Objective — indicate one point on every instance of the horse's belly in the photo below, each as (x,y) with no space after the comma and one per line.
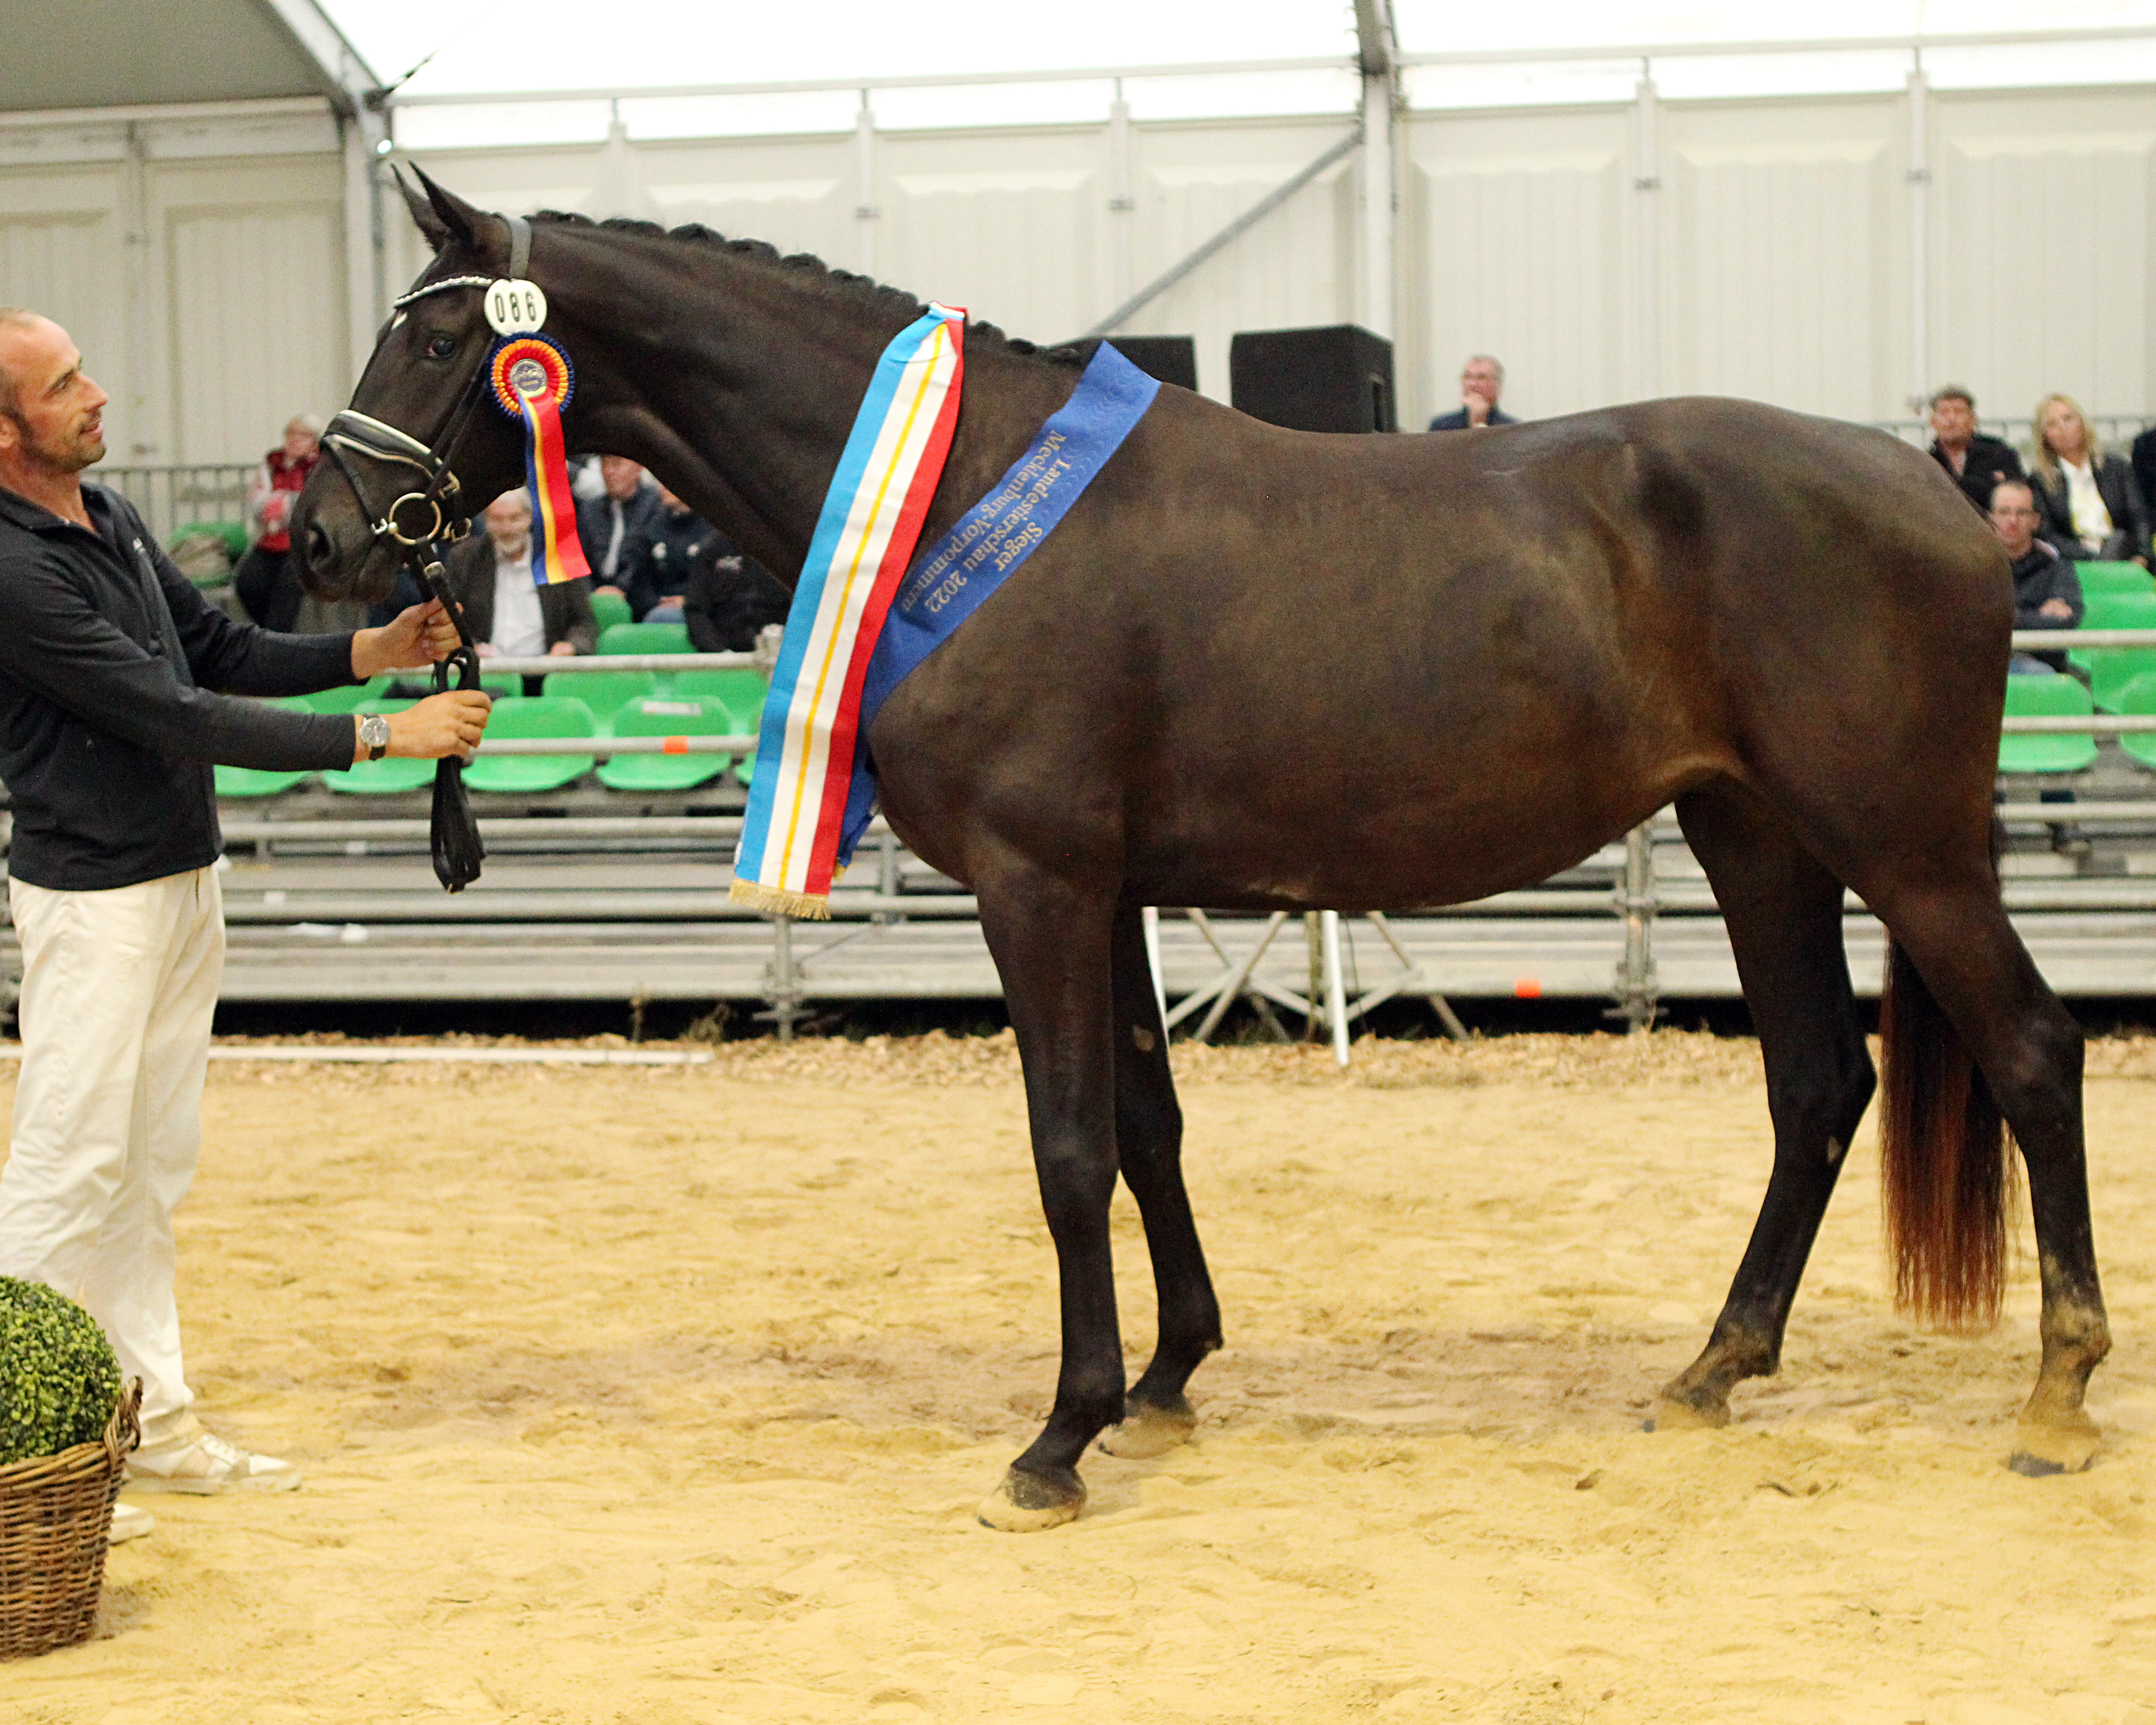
(1351,852)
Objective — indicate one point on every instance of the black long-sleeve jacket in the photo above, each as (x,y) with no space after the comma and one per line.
(108,728)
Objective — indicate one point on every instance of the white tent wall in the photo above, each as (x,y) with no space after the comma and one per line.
(198,259)
(1770,247)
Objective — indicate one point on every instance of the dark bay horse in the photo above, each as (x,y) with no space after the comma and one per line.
(1276,671)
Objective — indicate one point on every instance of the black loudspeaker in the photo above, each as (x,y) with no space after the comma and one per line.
(1335,379)
(1173,359)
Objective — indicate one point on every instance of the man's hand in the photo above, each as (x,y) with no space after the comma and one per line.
(561,649)
(450,724)
(1477,406)
(420,636)
(2058,608)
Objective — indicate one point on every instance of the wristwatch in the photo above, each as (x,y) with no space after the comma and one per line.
(374,734)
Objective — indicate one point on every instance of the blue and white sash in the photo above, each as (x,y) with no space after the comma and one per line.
(951,580)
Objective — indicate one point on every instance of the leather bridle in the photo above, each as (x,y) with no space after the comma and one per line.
(419,536)
(438,495)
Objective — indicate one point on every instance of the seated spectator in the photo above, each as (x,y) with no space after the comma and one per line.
(491,573)
(730,599)
(1976,462)
(617,528)
(2047,593)
(264,582)
(677,541)
(2144,464)
(1481,382)
(2092,507)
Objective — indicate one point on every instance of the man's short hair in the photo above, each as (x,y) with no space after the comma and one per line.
(1490,360)
(515,493)
(10,402)
(1953,391)
(2013,485)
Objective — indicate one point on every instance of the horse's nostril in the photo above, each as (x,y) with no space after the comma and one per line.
(321,551)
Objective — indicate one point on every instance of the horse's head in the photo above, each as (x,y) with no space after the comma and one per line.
(419,450)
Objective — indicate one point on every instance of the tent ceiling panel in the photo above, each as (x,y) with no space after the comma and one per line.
(111,53)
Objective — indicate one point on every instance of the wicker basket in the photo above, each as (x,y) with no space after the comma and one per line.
(55,1520)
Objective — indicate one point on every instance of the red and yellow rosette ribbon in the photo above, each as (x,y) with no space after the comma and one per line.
(532,381)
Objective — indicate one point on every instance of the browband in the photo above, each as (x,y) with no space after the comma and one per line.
(520,260)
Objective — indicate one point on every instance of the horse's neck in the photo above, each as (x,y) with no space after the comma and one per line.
(740,396)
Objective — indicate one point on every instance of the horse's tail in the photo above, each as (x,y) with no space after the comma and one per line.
(1943,1160)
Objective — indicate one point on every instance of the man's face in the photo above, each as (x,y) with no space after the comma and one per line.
(1954,422)
(58,423)
(622,476)
(1478,377)
(300,443)
(2013,518)
(509,524)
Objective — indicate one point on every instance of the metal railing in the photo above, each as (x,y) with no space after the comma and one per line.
(169,498)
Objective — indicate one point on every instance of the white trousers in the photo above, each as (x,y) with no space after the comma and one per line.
(118,990)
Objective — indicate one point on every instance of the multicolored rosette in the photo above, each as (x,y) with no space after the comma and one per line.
(532,381)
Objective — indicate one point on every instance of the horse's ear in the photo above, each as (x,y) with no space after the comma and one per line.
(459,221)
(423,212)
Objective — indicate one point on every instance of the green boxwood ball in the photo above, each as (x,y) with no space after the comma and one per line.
(59,1380)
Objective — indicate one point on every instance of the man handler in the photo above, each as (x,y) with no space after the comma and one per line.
(108,733)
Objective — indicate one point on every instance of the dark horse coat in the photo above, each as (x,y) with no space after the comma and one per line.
(1273,669)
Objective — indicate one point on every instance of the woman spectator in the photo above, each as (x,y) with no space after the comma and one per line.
(266,583)
(2092,504)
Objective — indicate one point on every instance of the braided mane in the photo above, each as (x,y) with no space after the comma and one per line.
(843,283)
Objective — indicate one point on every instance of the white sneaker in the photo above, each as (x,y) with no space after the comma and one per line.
(203,1464)
(129,1523)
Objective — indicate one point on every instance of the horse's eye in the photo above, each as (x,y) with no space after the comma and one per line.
(441,346)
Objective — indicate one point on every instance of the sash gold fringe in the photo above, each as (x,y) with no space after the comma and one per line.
(780,901)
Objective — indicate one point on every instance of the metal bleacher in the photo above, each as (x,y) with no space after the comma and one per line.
(593,894)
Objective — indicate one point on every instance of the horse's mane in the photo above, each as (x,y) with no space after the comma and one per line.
(837,283)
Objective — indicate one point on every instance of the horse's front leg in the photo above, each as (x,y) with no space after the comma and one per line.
(1050,938)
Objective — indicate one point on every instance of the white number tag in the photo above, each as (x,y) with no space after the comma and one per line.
(516,308)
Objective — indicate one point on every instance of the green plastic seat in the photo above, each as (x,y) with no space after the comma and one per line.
(609,608)
(537,716)
(2057,752)
(233,536)
(742,692)
(392,776)
(2111,669)
(2107,578)
(667,716)
(346,698)
(2119,610)
(645,638)
(2138,698)
(604,692)
(2111,610)
(261,782)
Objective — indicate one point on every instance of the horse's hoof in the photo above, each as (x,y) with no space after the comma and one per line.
(2042,1448)
(1032,1503)
(1668,1413)
(1150,1429)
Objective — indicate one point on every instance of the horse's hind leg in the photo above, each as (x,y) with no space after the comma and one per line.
(1965,953)
(1783,913)
(1050,937)
(1149,1147)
